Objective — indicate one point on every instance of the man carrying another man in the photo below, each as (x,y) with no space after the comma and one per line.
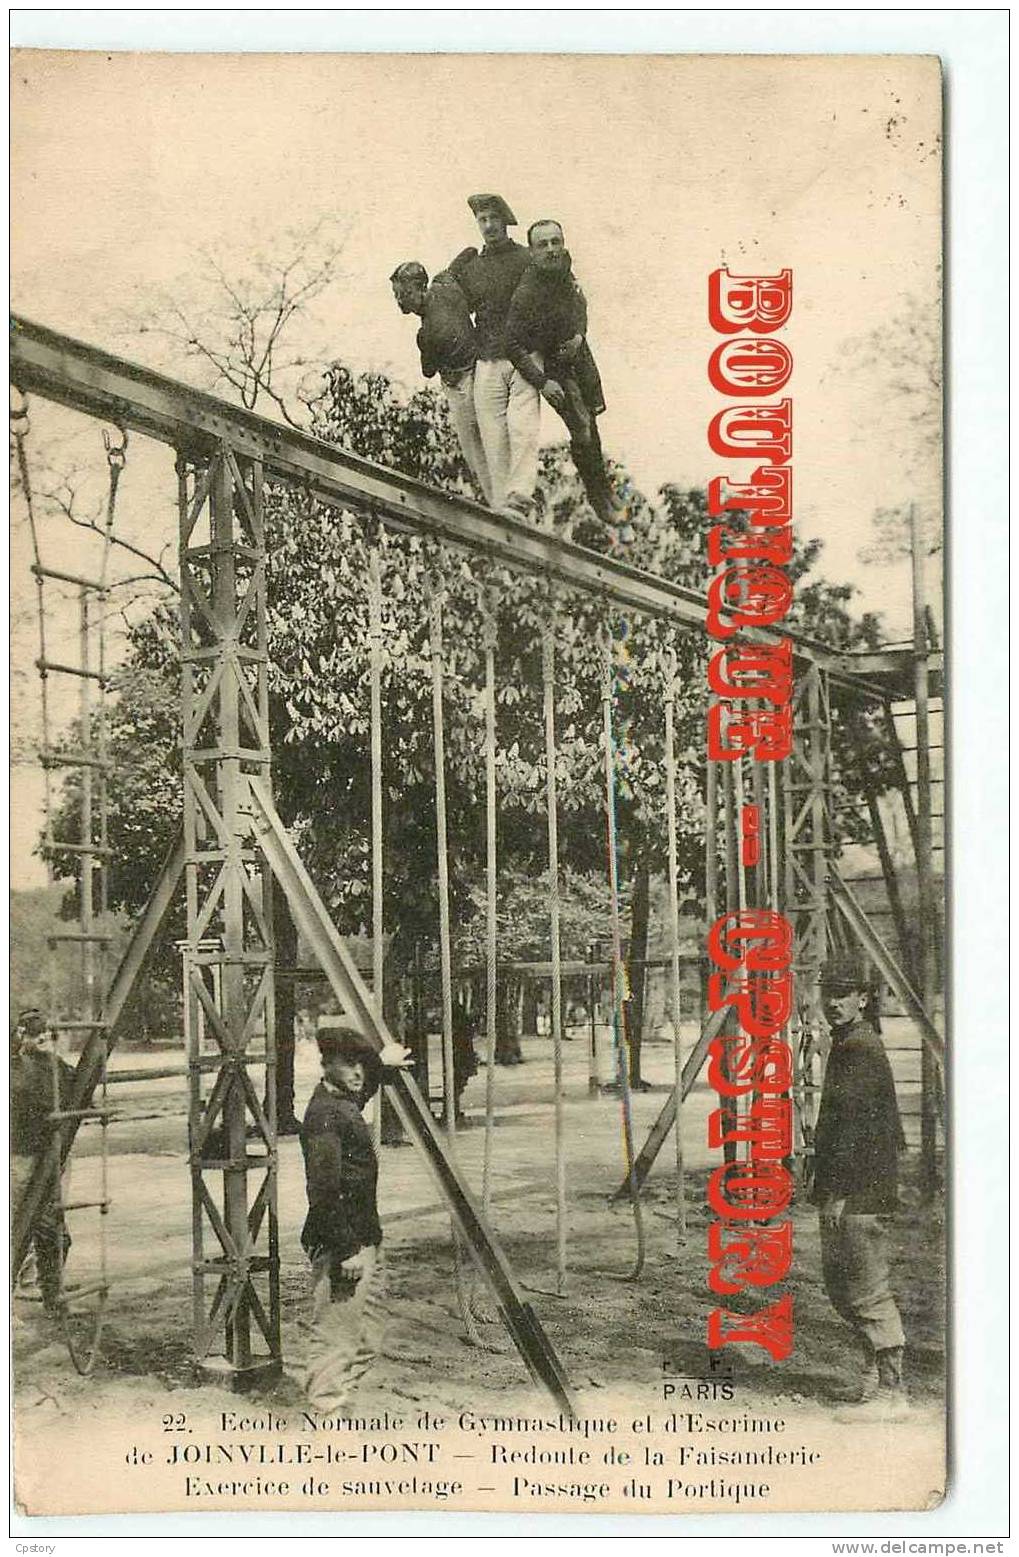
(546,338)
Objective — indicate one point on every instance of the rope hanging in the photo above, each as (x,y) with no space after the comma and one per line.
(551,798)
(435,645)
(677,1041)
(489,637)
(618,968)
(378,943)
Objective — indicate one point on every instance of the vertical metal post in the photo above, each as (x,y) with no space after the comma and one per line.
(924,871)
(229,933)
(489,634)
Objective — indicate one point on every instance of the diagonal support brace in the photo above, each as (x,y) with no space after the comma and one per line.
(359,1009)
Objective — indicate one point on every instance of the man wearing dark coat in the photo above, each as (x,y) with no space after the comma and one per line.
(342,1235)
(447,342)
(856,1149)
(40,1081)
(546,338)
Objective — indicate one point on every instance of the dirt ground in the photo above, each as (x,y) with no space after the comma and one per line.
(614,1336)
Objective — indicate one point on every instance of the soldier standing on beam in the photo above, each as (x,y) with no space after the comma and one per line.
(507,405)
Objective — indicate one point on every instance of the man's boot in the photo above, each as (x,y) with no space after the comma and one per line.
(864,1386)
(890,1402)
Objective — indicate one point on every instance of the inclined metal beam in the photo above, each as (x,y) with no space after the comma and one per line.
(659,1132)
(93,381)
(89,1069)
(360,1011)
(885,963)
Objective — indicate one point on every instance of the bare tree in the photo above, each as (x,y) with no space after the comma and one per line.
(237,321)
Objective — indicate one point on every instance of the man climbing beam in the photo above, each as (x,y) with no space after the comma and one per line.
(546,338)
(507,404)
(447,342)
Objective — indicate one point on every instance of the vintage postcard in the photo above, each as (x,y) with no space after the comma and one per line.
(477,995)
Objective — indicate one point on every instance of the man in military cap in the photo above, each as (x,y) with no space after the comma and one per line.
(448,345)
(342,1235)
(507,405)
(546,338)
(856,1149)
(40,1082)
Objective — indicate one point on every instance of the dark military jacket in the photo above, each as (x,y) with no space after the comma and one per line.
(489,280)
(341,1171)
(32,1099)
(859,1131)
(446,340)
(547,310)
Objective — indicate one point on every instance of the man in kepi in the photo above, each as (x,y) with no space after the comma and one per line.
(546,337)
(448,346)
(342,1235)
(507,404)
(40,1082)
(856,1146)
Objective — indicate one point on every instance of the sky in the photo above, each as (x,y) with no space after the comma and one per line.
(660,169)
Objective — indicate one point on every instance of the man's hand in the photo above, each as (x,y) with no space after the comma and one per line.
(830,1212)
(569,348)
(554,393)
(393,1056)
(353,1268)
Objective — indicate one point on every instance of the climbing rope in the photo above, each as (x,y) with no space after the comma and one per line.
(548,693)
(378,943)
(435,644)
(92,758)
(677,1038)
(618,968)
(489,637)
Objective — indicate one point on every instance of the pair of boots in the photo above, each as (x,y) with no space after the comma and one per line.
(881,1396)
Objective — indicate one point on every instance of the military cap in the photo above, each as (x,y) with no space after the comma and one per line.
(496,203)
(846,972)
(335,1036)
(410,270)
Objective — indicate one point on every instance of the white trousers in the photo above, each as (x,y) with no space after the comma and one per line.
(344,1334)
(460,399)
(508,415)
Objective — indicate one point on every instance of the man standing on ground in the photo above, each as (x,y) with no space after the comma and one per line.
(507,405)
(856,1147)
(40,1082)
(448,345)
(342,1235)
(546,337)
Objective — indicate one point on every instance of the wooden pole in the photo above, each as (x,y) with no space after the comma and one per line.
(924,861)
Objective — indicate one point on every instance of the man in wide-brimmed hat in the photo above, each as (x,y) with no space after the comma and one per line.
(856,1148)
(342,1235)
(507,405)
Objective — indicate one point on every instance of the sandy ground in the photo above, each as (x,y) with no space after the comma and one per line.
(619,1341)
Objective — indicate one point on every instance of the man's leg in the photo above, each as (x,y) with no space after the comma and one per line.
(875,1314)
(462,410)
(344,1334)
(491,400)
(522,416)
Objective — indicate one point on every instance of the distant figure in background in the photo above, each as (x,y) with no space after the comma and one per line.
(507,404)
(856,1148)
(40,1081)
(342,1235)
(546,338)
(448,345)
